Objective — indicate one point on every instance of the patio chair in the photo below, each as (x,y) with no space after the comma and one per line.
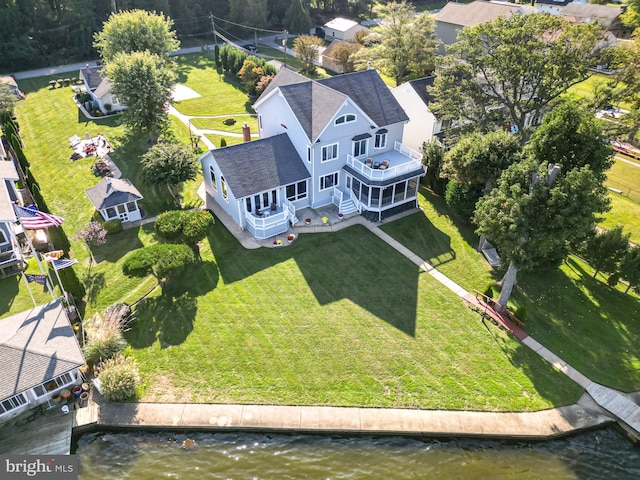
(73,141)
(273,207)
(384,165)
(368,162)
(258,213)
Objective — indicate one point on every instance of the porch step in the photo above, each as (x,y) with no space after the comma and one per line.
(347,206)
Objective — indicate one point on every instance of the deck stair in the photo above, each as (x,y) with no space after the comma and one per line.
(347,206)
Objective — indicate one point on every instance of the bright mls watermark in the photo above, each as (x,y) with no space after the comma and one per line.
(50,467)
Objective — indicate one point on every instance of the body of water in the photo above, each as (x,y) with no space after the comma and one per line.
(601,454)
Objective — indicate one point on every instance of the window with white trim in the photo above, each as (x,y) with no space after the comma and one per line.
(111,212)
(297,191)
(114,99)
(214,184)
(360,148)
(348,118)
(329,181)
(329,152)
(12,403)
(132,207)
(3,237)
(380,140)
(260,121)
(223,185)
(308,154)
(53,384)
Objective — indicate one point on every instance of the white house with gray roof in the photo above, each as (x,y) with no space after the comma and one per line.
(11,258)
(116,199)
(40,356)
(100,89)
(335,140)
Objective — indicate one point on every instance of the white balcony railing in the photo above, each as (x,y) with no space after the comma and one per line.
(405,161)
(272,223)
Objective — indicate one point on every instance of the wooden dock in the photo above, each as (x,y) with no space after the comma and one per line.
(49,434)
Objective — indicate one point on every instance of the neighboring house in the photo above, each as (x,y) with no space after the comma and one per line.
(335,140)
(116,198)
(453,17)
(11,258)
(99,87)
(551,6)
(13,85)
(40,356)
(588,13)
(343,29)
(423,124)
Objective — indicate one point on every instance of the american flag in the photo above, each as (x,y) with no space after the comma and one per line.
(32,219)
(63,263)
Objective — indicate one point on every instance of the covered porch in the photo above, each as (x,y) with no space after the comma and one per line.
(270,221)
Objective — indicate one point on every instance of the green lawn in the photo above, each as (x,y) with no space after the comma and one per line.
(334,319)
(217,123)
(625,212)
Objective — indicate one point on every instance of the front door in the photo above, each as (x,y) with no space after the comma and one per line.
(122,213)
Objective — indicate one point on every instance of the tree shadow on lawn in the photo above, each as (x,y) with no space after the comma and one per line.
(192,61)
(94,283)
(169,317)
(418,234)
(351,264)
(464,226)
(585,322)
(9,288)
(117,246)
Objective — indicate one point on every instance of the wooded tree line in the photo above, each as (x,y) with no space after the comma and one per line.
(36,33)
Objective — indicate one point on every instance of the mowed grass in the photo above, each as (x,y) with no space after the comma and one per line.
(217,123)
(587,323)
(625,212)
(333,319)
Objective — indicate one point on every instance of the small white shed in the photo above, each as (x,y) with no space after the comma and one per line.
(342,29)
(116,198)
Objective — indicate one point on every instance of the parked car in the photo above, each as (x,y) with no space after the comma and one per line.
(252,48)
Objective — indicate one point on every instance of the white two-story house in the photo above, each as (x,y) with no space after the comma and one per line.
(335,140)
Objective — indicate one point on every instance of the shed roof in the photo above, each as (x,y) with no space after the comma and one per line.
(35,346)
(92,76)
(261,165)
(110,192)
(340,24)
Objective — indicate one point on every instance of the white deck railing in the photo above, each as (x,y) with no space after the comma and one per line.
(413,163)
(272,223)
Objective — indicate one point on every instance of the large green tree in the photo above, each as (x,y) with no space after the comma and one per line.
(604,250)
(627,83)
(571,137)
(144,84)
(170,164)
(533,218)
(160,260)
(631,16)
(404,46)
(7,100)
(306,48)
(136,31)
(511,69)
(630,268)
(481,159)
(297,19)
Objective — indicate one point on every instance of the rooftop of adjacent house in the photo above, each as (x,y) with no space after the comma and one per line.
(340,24)
(110,192)
(467,15)
(35,346)
(92,76)
(420,86)
(261,165)
(8,173)
(558,3)
(589,10)
(104,87)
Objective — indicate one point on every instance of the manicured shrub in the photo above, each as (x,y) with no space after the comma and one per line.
(229,121)
(169,225)
(113,226)
(119,377)
(223,143)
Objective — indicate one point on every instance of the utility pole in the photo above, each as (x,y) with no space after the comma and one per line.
(113,4)
(284,44)
(255,37)
(213,26)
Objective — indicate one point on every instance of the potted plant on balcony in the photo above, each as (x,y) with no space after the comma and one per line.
(307,221)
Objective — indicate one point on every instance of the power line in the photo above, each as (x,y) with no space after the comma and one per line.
(247,26)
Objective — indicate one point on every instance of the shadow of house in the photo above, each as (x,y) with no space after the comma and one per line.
(352,264)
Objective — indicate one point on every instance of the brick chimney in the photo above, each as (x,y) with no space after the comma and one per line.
(246,133)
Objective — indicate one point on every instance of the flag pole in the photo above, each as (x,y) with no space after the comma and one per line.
(29,289)
(35,254)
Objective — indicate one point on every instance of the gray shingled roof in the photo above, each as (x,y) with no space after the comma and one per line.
(420,86)
(370,93)
(285,76)
(110,192)
(35,346)
(261,165)
(92,76)
(588,10)
(313,104)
